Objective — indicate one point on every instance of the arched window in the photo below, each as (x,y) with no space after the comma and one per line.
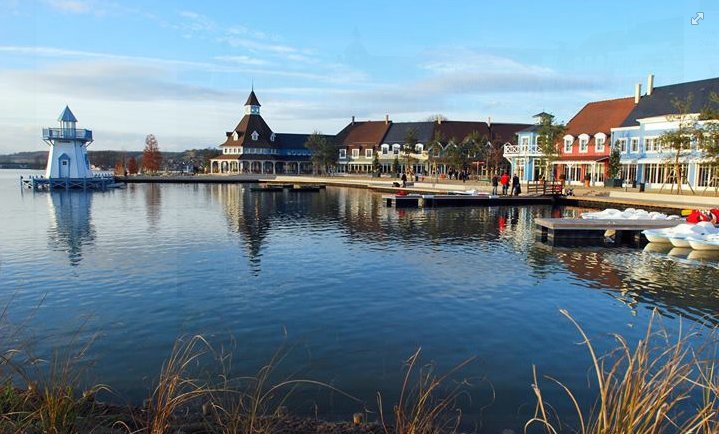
(255,135)
(395,149)
(385,149)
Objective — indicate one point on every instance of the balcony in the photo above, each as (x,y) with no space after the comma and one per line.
(66,134)
(511,150)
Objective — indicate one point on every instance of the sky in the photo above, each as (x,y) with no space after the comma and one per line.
(182,70)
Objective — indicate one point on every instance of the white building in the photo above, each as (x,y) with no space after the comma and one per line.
(68,149)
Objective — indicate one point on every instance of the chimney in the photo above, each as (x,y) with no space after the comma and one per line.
(637,93)
(489,121)
(353,120)
(386,119)
(650,84)
(439,120)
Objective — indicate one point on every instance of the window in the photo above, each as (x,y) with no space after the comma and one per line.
(418,148)
(343,153)
(395,149)
(599,144)
(437,150)
(235,136)
(583,145)
(368,153)
(255,135)
(355,153)
(525,141)
(635,144)
(385,149)
(622,145)
(567,145)
(272,137)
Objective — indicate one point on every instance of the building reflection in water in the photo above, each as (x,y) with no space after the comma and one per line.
(360,217)
(653,276)
(71,227)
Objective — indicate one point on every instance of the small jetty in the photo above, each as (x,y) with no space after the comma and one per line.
(268,189)
(570,231)
(279,187)
(97,182)
(447,200)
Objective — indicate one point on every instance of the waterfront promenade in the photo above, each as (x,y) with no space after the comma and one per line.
(595,197)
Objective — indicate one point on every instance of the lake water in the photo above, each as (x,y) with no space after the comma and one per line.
(349,287)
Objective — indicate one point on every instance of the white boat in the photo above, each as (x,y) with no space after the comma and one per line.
(680,241)
(658,236)
(710,242)
(627,214)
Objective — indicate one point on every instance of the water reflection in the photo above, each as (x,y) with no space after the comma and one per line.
(153,204)
(672,280)
(71,227)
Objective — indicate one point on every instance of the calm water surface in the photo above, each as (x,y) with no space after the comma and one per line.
(350,287)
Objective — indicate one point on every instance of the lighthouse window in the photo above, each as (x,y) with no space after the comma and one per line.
(64,162)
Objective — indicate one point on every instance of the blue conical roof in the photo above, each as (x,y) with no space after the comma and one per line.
(67,116)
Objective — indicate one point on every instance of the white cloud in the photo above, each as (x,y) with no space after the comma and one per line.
(75,6)
(242,60)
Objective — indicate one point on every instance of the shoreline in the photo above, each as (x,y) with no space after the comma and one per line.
(590,198)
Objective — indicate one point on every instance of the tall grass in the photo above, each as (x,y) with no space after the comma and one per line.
(427,402)
(649,388)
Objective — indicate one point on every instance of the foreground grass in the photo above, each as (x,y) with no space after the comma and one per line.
(656,386)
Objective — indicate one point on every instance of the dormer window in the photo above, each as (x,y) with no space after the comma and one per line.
(235,136)
(568,145)
(418,148)
(255,135)
(583,143)
(272,137)
(343,153)
(599,141)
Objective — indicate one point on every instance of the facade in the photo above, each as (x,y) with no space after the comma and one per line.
(524,156)
(252,147)
(68,149)
(357,143)
(643,158)
(585,148)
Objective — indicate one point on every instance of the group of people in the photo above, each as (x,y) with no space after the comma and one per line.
(504,180)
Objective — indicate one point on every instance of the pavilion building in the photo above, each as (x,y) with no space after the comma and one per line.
(252,147)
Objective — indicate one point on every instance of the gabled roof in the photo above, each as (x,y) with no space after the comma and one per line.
(600,117)
(367,133)
(423,132)
(252,99)
(659,103)
(67,116)
(458,130)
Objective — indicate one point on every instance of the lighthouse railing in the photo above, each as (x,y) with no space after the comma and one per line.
(66,133)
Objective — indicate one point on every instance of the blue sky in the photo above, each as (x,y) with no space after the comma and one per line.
(182,70)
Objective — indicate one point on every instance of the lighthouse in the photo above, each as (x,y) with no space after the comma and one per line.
(68,149)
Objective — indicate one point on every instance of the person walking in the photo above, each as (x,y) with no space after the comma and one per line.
(516,189)
(495,184)
(504,180)
(404,180)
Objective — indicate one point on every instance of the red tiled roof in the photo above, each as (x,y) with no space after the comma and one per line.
(600,117)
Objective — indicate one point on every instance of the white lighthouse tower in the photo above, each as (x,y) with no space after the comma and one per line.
(68,149)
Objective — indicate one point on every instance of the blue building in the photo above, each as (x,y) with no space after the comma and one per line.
(643,158)
(525,157)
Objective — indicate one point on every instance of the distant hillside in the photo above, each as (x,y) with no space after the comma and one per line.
(106,160)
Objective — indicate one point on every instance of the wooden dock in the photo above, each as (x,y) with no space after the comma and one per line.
(583,231)
(40,183)
(449,200)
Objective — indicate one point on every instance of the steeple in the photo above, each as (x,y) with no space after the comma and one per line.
(252,106)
